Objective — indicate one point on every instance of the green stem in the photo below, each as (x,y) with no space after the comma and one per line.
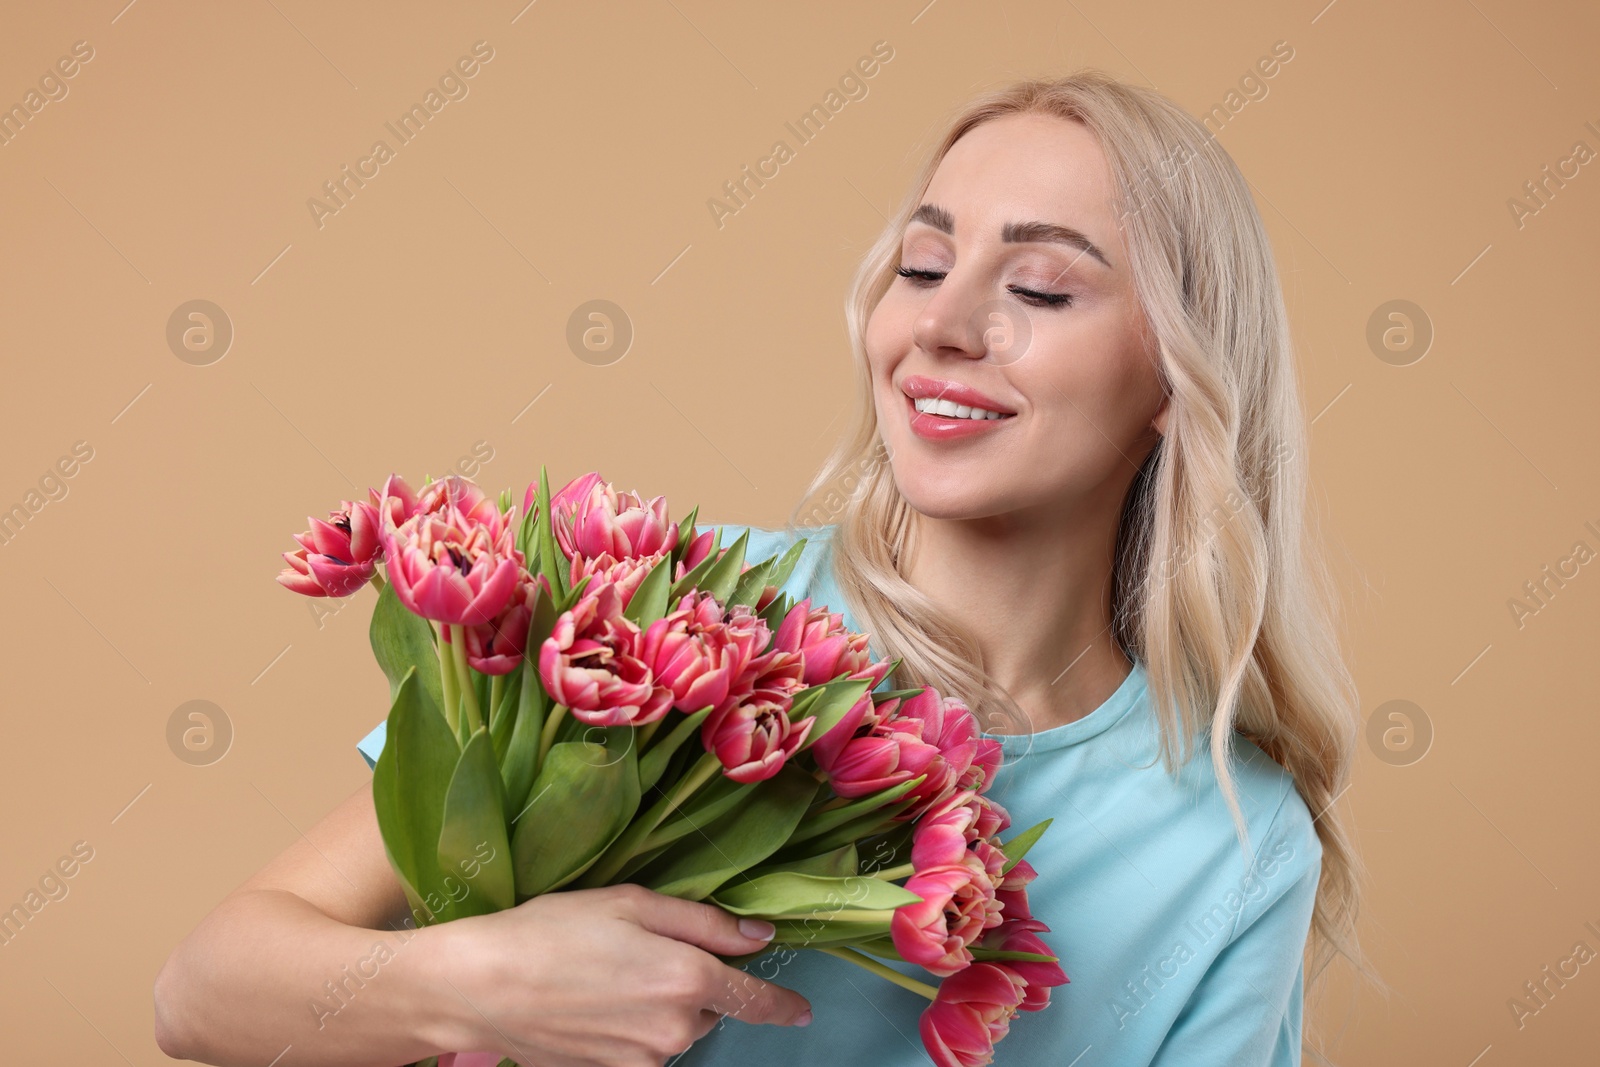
(883,970)
(447,679)
(889,874)
(645,731)
(377,582)
(531,703)
(469,696)
(548,737)
(497,688)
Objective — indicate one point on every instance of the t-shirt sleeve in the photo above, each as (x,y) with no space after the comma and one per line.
(372,744)
(762,545)
(1246,1009)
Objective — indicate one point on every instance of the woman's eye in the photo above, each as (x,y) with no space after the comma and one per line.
(1043,299)
(922,278)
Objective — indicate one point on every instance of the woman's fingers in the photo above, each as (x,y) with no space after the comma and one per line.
(752,1000)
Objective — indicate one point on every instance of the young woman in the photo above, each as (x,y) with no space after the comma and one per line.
(1074,497)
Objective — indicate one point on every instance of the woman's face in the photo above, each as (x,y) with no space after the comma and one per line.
(1018,300)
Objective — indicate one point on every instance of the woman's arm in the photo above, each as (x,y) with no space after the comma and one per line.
(1246,1010)
(312,953)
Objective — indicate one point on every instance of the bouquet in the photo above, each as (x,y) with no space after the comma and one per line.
(584,693)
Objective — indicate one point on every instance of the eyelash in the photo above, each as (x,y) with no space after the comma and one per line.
(924,277)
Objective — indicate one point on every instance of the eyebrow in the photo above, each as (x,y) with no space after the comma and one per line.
(1015,232)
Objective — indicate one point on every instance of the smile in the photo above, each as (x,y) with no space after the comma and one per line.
(935,419)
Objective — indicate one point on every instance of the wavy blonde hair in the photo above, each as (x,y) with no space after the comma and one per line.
(1235,621)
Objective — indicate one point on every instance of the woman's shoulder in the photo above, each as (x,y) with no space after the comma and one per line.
(1278,820)
(1192,824)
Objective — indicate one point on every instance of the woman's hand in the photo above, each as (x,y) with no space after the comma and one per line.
(620,976)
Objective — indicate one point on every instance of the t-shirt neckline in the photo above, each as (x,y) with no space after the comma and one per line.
(1108,714)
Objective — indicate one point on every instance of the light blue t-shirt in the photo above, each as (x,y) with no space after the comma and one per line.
(1179,953)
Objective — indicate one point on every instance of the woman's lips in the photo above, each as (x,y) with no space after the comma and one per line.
(932,427)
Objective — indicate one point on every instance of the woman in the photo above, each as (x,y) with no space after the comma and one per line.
(1074,498)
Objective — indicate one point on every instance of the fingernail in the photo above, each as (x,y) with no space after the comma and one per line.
(804,1020)
(759,929)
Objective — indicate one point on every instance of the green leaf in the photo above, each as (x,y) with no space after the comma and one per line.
(774,612)
(625,873)
(720,580)
(573,595)
(820,823)
(520,761)
(880,697)
(839,863)
(409,785)
(480,688)
(692,579)
(586,794)
(551,561)
(709,803)
(750,585)
(649,601)
(814,933)
(738,840)
(790,894)
(654,761)
(874,822)
(473,849)
(686,535)
(831,705)
(401,640)
(1018,846)
(504,715)
(782,569)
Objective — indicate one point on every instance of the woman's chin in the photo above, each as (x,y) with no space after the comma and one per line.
(940,499)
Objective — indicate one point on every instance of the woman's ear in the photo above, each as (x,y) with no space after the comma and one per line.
(1160,421)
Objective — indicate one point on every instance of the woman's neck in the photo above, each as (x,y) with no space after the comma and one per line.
(1036,595)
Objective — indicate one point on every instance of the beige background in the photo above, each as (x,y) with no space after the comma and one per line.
(431,310)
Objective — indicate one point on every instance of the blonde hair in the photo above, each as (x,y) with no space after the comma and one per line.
(1233,621)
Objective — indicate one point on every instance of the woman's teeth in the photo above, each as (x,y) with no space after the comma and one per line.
(950,408)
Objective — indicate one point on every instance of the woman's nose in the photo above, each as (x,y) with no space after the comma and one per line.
(967,320)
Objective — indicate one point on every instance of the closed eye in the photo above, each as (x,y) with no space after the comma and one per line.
(925,278)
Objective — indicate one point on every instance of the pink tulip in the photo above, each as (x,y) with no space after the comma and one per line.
(747,630)
(590,662)
(336,557)
(993,818)
(972,1013)
(754,740)
(626,574)
(1022,935)
(694,654)
(827,646)
(985,765)
(395,502)
(882,758)
(697,552)
(946,724)
(857,722)
(775,676)
(500,644)
(464,495)
(591,518)
(943,837)
(451,569)
(958,904)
